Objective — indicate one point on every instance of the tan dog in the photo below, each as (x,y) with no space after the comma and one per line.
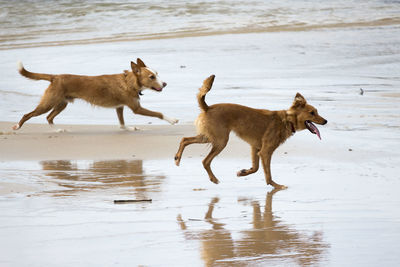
(110,91)
(263,129)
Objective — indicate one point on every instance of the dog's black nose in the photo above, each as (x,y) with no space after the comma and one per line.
(325,122)
(164,84)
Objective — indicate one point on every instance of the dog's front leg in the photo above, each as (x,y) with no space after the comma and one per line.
(120,114)
(145,112)
(266,154)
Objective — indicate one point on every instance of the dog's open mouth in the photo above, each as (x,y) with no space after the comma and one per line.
(312,128)
(157,89)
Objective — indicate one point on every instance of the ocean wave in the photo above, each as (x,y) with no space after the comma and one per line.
(25,41)
(42,23)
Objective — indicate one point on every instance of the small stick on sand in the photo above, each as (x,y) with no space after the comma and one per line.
(123,201)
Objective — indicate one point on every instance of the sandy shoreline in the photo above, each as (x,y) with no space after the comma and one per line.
(99,142)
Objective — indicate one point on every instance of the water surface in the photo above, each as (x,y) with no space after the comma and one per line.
(318,221)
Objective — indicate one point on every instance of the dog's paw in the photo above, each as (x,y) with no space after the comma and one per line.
(241,173)
(170,120)
(177,160)
(279,186)
(214,180)
(57,130)
(16,127)
(123,127)
(245,172)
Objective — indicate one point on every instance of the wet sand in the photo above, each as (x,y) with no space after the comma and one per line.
(57,192)
(98,142)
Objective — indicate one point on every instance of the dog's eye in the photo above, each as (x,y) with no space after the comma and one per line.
(312,113)
(152,77)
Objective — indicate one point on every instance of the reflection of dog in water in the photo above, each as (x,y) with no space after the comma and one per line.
(264,130)
(268,238)
(216,243)
(101,175)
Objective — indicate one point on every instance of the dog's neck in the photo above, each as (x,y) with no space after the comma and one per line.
(290,121)
(133,82)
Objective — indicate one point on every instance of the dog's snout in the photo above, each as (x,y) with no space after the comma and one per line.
(325,122)
(164,84)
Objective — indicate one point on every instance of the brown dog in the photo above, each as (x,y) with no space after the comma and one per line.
(263,129)
(110,91)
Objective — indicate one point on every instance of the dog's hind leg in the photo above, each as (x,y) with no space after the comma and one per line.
(199,139)
(56,110)
(255,159)
(45,105)
(215,150)
(38,111)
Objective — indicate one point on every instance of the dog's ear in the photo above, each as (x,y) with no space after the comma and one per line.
(140,63)
(299,101)
(135,68)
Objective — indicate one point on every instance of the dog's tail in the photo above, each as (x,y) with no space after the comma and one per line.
(32,75)
(207,84)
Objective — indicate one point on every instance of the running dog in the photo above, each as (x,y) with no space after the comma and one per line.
(110,91)
(263,129)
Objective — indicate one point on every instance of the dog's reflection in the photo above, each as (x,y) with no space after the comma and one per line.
(83,176)
(270,240)
(217,243)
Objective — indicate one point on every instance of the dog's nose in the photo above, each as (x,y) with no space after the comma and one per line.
(164,84)
(325,122)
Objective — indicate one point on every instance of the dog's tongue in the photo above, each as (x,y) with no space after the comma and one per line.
(313,129)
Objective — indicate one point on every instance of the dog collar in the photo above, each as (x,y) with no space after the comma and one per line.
(293,129)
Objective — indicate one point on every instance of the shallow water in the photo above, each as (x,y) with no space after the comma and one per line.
(328,216)
(40,23)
